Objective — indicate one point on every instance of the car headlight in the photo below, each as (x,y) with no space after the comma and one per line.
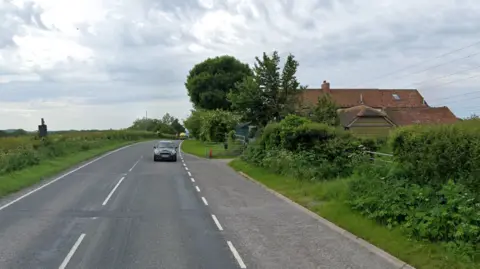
(156,151)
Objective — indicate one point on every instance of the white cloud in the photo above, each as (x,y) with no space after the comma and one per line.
(102,63)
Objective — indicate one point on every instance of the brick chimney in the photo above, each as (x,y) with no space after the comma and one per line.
(325,87)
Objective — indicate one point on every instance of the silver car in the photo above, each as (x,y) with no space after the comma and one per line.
(165,150)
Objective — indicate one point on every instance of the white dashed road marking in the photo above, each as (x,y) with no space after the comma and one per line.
(236,255)
(130,170)
(204,201)
(193,180)
(72,251)
(189,174)
(113,190)
(58,178)
(217,222)
(198,189)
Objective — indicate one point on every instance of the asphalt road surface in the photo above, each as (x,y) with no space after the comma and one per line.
(121,211)
(126,211)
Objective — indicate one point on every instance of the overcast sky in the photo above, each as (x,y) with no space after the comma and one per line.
(103,63)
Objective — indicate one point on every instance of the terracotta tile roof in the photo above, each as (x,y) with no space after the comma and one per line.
(349,114)
(421,115)
(376,98)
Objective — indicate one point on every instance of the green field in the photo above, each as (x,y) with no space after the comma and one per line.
(327,199)
(18,180)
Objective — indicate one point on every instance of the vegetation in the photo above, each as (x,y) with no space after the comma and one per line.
(166,126)
(270,94)
(26,160)
(209,81)
(202,149)
(427,198)
(329,199)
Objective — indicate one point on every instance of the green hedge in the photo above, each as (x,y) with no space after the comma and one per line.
(307,150)
(432,155)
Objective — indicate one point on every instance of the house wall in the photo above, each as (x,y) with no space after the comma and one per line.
(371,126)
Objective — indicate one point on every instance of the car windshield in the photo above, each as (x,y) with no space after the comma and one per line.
(165,145)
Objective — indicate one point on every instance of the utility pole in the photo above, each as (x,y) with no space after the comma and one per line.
(146,114)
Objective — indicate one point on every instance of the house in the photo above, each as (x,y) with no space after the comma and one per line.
(364,120)
(380,109)
(375,98)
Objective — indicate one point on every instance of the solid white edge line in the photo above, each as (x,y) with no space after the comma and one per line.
(111,192)
(72,251)
(204,201)
(217,222)
(198,189)
(189,174)
(236,255)
(193,180)
(58,178)
(130,170)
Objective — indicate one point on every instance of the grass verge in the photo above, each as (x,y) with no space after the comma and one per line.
(202,149)
(327,199)
(16,181)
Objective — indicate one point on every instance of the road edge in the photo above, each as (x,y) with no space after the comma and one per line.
(399,264)
(11,198)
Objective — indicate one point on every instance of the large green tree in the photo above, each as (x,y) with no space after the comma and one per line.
(271,93)
(209,81)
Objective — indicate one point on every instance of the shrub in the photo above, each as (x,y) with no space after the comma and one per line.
(215,124)
(307,150)
(450,214)
(434,154)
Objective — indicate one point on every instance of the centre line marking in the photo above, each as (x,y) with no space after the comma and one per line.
(113,190)
(184,164)
(130,170)
(217,223)
(186,168)
(72,251)
(193,180)
(204,201)
(189,174)
(236,255)
(198,189)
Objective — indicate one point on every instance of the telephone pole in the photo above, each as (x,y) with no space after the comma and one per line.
(146,114)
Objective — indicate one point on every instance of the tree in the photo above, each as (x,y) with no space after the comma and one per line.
(177,126)
(325,111)
(209,81)
(167,119)
(270,94)
(193,123)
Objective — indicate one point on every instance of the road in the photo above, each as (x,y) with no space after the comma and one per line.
(153,219)
(125,211)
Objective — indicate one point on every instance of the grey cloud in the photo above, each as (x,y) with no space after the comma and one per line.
(12,17)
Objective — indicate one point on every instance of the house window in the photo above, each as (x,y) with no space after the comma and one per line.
(395,96)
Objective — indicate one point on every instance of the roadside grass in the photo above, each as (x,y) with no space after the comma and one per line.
(13,182)
(328,199)
(202,149)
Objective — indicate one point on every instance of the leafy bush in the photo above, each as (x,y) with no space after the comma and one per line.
(17,153)
(450,214)
(298,147)
(215,124)
(432,155)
